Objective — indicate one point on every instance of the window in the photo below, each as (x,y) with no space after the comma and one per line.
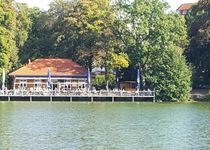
(23,84)
(81,84)
(37,84)
(133,85)
(61,81)
(67,84)
(184,12)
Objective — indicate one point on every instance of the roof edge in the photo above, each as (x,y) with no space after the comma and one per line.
(185,4)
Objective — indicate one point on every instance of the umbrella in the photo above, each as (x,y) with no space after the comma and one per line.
(3,78)
(89,79)
(117,80)
(138,80)
(49,83)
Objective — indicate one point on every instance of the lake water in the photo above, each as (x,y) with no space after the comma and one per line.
(144,126)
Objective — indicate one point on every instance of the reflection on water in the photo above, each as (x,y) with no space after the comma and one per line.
(104,126)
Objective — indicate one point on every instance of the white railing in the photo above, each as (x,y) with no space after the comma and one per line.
(84,93)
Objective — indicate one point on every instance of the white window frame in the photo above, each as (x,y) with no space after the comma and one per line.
(23,84)
(37,84)
(81,84)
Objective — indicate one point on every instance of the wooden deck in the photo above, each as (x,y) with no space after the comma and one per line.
(78,96)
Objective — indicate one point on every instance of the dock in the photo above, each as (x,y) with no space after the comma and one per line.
(78,96)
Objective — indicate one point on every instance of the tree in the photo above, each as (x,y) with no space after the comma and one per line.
(137,33)
(170,76)
(100,81)
(23,24)
(40,42)
(154,41)
(198,52)
(86,21)
(74,29)
(8,48)
(119,61)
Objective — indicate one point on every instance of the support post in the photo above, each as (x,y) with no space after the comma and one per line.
(112,99)
(91,99)
(71,99)
(154,96)
(9,98)
(133,99)
(50,98)
(30,98)
(14,84)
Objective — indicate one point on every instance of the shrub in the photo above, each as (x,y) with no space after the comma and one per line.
(99,82)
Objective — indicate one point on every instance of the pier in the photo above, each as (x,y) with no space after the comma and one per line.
(78,96)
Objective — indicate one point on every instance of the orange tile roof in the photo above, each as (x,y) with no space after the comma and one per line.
(186,6)
(58,67)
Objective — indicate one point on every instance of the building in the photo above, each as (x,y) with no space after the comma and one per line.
(184,8)
(64,74)
(98,71)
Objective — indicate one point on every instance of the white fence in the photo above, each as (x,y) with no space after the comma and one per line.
(101,93)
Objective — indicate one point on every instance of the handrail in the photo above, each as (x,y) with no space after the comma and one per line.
(95,93)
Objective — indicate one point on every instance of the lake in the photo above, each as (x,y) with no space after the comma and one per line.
(90,126)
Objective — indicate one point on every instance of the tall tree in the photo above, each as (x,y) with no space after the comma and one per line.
(154,41)
(198,52)
(23,24)
(23,27)
(40,39)
(81,28)
(8,48)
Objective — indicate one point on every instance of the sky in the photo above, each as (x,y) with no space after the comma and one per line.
(44,4)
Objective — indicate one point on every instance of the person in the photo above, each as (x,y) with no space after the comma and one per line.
(5,89)
(149,93)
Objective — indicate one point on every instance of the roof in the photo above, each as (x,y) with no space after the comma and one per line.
(98,69)
(58,67)
(186,6)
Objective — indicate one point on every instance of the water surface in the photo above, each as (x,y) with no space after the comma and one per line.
(64,126)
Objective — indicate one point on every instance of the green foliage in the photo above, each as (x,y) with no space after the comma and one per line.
(154,41)
(205,98)
(14,28)
(24,24)
(198,52)
(88,23)
(8,48)
(171,77)
(100,82)
(135,34)
(120,60)
(40,42)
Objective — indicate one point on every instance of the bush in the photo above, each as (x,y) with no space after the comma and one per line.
(205,98)
(171,77)
(99,82)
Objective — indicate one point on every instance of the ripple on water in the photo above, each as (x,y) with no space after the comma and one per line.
(104,126)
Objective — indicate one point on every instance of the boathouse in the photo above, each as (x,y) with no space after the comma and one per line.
(62,73)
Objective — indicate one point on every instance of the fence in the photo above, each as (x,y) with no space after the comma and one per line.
(101,93)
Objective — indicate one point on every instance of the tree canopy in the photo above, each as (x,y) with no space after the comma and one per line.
(116,35)
(8,48)
(198,51)
(154,41)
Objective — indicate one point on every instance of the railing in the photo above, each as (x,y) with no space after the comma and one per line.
(101,93)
